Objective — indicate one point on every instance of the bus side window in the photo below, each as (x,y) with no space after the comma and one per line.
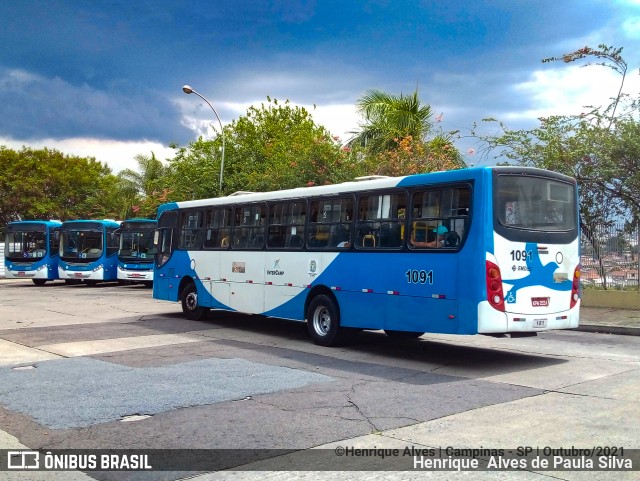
(381,220)
(439,218)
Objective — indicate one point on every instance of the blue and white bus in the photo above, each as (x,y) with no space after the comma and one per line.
(31,250)
(135,257)
(492,250)
(88,251)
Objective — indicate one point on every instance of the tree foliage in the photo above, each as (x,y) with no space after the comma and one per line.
(388,118)
(274,146)
(144,189)
(47,184)
(393,138)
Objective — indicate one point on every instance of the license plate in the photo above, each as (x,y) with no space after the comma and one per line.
(77,274)
(22,274)
(540,301)
(539,323)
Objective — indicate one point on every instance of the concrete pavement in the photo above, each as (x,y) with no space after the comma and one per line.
(560,389)
(610,321)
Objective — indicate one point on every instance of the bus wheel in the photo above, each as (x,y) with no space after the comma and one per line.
(190,308)
(72,282)
(323,322)
(91,283)
(403,335)
(39,282)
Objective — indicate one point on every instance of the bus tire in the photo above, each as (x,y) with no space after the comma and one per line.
(39,282)
(91,283)
(323,322)
(403,335)
(189,300)
(72,282)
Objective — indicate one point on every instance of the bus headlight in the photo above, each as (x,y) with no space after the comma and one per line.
(97,268)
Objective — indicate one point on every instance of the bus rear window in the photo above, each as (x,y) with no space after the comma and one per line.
(535,204)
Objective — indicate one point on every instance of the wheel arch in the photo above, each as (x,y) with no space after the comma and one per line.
(183,283)
(317,291)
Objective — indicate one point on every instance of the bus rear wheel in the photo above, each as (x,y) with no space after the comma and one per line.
(323,322)
(190,307)
(39,282)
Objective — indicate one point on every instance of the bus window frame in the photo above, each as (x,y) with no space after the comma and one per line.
(312,226)
(291,240)
(435,221)
(400,221)
(253,229)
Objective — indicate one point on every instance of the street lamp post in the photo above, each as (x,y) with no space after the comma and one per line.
(188,90)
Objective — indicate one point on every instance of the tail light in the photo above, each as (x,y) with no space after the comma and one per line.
(495,295)
(575,288)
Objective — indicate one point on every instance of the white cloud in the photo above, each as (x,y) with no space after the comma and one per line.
(116,154)
(567,90)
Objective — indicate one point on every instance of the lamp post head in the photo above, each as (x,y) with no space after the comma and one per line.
(187,89)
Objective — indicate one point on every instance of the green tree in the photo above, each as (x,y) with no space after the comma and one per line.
(389,118)
(143,189)
(393,138)
(47,184)
(274,146)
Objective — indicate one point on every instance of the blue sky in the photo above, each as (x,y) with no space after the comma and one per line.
(104,78)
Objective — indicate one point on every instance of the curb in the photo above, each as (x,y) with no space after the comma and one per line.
(619,330)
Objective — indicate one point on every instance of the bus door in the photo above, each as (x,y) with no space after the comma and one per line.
(165,285)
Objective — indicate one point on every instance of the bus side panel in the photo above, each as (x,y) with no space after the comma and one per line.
(471,276)
(111,267)
(395,290)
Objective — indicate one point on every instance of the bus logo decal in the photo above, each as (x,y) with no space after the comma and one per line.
(313,268)
(275,271)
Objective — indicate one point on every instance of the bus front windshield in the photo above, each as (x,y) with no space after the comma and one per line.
(137,245)
(81,245)
(535,204)
(25,245)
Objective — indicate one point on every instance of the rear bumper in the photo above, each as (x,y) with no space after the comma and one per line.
(492,321)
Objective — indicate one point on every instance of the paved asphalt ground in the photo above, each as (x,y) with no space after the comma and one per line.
(111,368)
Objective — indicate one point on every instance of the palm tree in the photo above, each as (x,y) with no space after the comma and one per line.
(388,119)
(146,182)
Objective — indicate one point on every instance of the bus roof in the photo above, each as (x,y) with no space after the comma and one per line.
(49,223)
(378,182)
(104,222)
(139,219)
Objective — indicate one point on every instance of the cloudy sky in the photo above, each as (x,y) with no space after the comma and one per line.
(103,78)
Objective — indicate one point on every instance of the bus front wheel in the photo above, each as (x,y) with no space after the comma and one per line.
(39,282)
(323,322)
(190,307)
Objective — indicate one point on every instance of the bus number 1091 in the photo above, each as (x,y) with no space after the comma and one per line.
(415,276)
